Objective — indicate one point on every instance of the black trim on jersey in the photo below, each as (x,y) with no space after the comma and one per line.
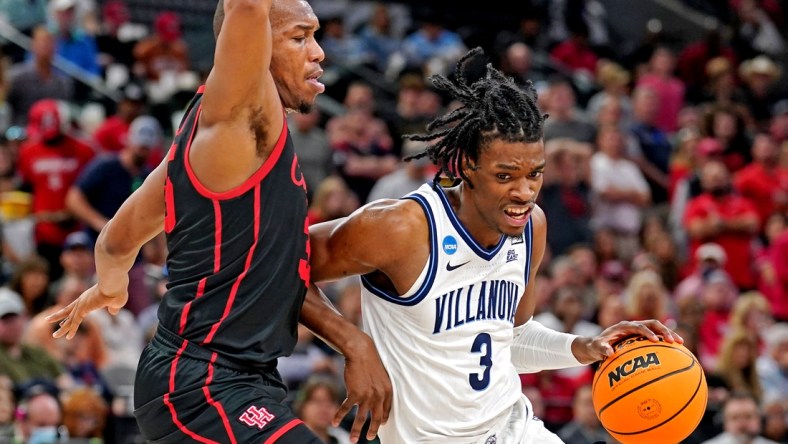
(478,249)
(431,272)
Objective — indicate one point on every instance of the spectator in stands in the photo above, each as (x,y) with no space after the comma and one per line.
(566,193)
(721,87)
(432,47)
(114,41)
(316,404)
(342,47)
(655,148)
(718,215)
(584,428)
(755,32)
(614,80)
(765,180)
(565,120)
(575,53)
(736,365)
(36,79)
(378,38)
(726,125)
(314,154)
(620,190)
(760,76)
(410,175)
(668,88)
(611,310)
(24,364)
(413,108)
(24,15)
(73,43)
(779,126)
(693,59)
(111,135)
(741,421)
(332,200)
(647,298)
(361,144)
(775,419)
(108,181)
(49,164)
(39,331)
(39,417)
(31,281)
(76,260)
(518,62)
(772,365)
(751,313)
(163,52)
(85,414)
(772,265)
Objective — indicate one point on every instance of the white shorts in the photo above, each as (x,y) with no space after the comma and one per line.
(520,427)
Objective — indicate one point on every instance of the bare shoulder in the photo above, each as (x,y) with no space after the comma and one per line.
(390,220)
(538,218)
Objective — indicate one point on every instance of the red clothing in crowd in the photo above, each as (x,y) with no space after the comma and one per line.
(737,246)
(671,99)
(575,56)
(762,187)
(773,275)
(51,170)
(111,135)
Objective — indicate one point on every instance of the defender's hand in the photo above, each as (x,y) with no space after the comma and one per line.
(588,350)
(71,316)
(368,386)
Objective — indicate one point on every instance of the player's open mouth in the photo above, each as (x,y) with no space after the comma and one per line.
(312,79)
(517,216)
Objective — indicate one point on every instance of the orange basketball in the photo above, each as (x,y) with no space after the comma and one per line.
(649,392)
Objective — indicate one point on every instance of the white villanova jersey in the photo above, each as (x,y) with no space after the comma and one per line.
(446,342)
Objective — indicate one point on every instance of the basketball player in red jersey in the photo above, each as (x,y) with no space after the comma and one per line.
(232,201)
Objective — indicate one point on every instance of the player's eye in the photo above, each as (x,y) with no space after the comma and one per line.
(536,174)
(502,176)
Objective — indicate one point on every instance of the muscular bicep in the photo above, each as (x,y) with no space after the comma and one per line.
(240,78)
(527,305)
(140,218)
(379,236)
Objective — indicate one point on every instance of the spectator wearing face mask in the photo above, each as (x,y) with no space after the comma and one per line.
(38,417)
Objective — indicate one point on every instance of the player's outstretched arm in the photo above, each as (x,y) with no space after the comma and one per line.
(367,382)
(137,221)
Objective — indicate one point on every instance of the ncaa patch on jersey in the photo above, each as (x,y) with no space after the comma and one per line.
(449,245)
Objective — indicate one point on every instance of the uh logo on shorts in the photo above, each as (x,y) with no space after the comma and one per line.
(256,417)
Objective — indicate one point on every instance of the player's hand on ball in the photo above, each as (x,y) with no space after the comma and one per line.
(368,386)
(589,350)
(70,317)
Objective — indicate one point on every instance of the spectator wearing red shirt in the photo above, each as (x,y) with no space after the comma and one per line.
(720,216)
(765,181)
(111,135)
(49,163)
(669,88)
(575,53)
(773,266)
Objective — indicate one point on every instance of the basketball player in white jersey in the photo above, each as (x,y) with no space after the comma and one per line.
(448,276)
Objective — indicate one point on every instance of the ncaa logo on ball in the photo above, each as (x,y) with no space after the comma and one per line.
(449,245)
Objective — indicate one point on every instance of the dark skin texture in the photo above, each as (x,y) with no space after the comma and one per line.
(507,176)
(267,60)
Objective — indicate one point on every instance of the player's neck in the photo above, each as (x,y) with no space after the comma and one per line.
(469,217)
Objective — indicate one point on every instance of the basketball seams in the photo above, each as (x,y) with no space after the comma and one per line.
(692,398)
(666,375)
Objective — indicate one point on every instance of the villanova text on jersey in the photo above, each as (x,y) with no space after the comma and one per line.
(488,300)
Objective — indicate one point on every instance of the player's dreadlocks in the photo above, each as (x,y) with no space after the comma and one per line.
(493,107)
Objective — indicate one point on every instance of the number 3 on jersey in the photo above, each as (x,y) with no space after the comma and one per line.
(482,344)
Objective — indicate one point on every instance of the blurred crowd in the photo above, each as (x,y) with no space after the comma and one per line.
(666,192)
